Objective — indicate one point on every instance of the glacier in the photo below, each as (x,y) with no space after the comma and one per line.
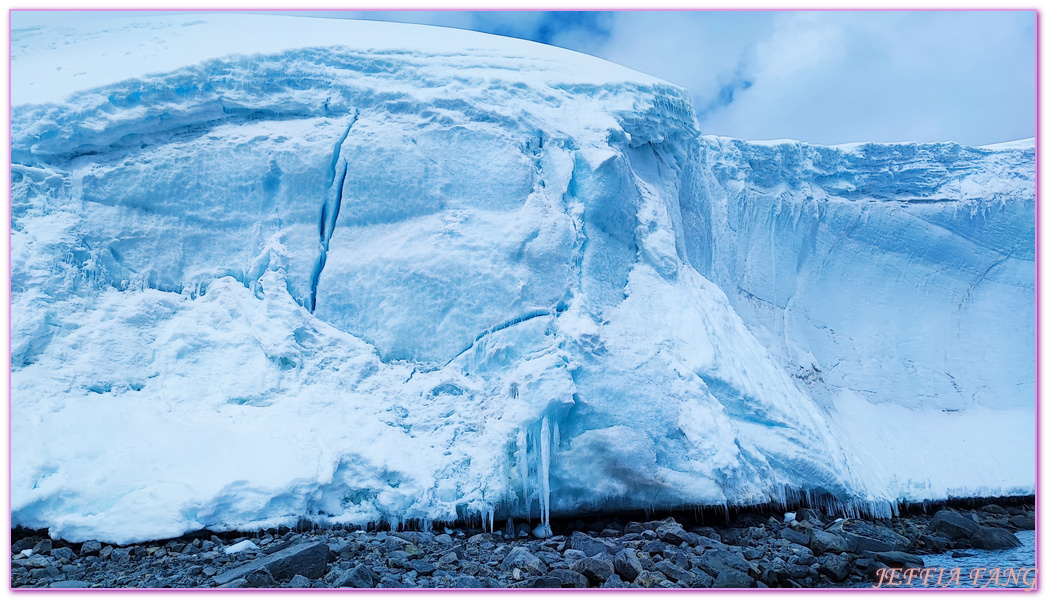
(267,269)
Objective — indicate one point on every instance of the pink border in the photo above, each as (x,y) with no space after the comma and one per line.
(1038,266)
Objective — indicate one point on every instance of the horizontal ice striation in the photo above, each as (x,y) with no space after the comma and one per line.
(395,272)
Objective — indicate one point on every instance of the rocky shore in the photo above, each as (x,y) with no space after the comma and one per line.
(800,549)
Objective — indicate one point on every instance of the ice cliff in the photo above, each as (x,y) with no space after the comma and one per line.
(351,271)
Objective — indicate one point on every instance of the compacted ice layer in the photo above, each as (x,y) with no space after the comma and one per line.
(390,272)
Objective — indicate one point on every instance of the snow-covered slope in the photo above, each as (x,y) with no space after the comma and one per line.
(363,271)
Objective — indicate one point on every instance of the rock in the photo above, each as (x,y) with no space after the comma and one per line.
(391,583)
(596,570)
(862,536)
(648,579)
(897,559)
(25,543)
(42,547)
(959,554)
(50,572)
(120,554)
(66,554)
(811,515)
(823,542)
(423,567)
(804,560)
(70,583)
(37,562)
(105,552)
(655,547)
(539,582)
(520,558)
(627,564)
(448,558)
(753,553)
(572,555)
(795,536)
(300,581)
(485,537)
(308,559)
(467,581)
(953,525)
(836,567)
(90,548)
(260,578)
(732,578)
(358,577)
(673,572)
(398,559)
(614,581)
(394,542)
(634,527)
(995,509)
(715,560)
(673,533)
(236,583)
(570,579)
(1024,522)
(701,579)
(588,544)
(986,538)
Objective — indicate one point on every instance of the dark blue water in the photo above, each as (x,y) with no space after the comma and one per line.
(976,570)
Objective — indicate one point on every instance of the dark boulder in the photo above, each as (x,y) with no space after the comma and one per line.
(570,579)
(994,538)
(732,578)
(953,525)
(836,567)
(627,564)
(358,577)
(596,570)
(588,544)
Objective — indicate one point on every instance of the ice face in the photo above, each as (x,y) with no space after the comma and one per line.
(385,272)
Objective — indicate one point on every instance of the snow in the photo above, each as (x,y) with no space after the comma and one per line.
(267,268)
(241,546)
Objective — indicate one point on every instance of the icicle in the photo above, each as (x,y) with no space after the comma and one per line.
(521,444)
(545,453)
(510,531)
(556,435)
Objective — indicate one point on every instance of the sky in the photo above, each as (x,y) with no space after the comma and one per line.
(826,77)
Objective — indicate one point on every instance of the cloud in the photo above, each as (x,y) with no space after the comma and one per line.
(839,76)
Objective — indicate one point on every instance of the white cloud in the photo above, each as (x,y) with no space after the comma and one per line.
(840,77)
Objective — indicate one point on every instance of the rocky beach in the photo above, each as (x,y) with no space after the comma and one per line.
(804,548)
